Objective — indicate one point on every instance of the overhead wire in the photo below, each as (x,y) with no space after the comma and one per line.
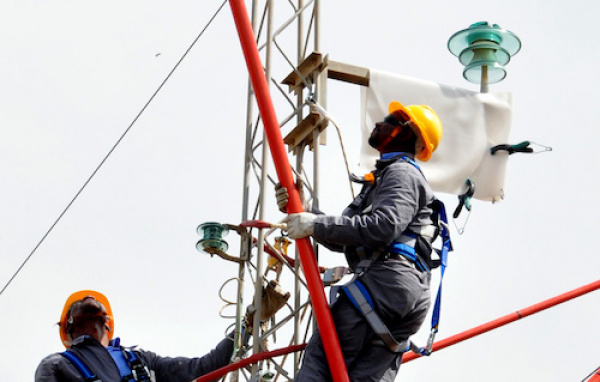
(112,149)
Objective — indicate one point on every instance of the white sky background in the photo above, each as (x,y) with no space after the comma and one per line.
(75,73)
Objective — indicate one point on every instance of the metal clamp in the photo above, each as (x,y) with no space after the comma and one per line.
(429,348)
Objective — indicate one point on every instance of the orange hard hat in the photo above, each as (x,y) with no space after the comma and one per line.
(429,126)
(78,296)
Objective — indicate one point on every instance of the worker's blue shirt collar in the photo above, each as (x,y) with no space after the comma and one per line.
(389,158)
(395,154)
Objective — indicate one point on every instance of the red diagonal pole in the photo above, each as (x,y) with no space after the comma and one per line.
(508,319)
(284,173)
(595,377)
(219,373)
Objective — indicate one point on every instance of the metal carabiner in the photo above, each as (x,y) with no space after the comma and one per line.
(429,348)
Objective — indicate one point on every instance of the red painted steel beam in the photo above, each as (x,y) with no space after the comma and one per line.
(508,319)
(284,173)
(219,373)
(595,377)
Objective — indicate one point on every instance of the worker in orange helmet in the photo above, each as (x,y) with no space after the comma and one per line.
(86,329)
(386,234)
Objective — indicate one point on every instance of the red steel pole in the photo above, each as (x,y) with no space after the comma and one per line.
(284,173)
(508,319)
(595,377)
(214,375)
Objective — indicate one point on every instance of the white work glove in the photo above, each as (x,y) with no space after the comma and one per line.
(300,225)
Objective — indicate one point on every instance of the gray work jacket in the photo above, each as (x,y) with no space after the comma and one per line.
(398,200)
(56,368)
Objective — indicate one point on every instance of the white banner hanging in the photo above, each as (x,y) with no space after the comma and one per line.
(473,123)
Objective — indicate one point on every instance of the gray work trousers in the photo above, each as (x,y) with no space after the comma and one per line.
(365,361)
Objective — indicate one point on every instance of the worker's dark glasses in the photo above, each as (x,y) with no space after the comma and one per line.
(394,121)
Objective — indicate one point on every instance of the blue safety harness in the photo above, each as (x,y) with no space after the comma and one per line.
(131,367)
(360,297)
(410,253)
(81,366)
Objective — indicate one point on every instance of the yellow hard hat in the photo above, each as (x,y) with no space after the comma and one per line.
(78,296)
(428,124)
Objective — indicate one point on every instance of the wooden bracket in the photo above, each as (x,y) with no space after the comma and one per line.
(303,133)
(315,63)
(305,74)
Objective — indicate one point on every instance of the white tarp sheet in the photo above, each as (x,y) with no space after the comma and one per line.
(473,123)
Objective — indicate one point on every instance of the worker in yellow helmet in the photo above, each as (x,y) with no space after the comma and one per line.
(386,234)
(86,329)
(419,121)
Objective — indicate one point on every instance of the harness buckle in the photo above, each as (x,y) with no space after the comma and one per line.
(333,275)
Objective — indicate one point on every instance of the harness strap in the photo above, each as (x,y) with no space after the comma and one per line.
(81,366)
(139,371)
(134,369)
(405,246)
(118,355)
(359,270)
(446,247)
(360,297)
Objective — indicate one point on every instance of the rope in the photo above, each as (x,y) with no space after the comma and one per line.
(89,179)
(319,109)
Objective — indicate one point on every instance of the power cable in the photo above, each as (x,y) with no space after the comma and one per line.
(112,149)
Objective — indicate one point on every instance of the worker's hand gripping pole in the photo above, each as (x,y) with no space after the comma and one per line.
(284,173)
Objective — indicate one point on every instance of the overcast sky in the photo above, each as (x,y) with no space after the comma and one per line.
(74,74)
